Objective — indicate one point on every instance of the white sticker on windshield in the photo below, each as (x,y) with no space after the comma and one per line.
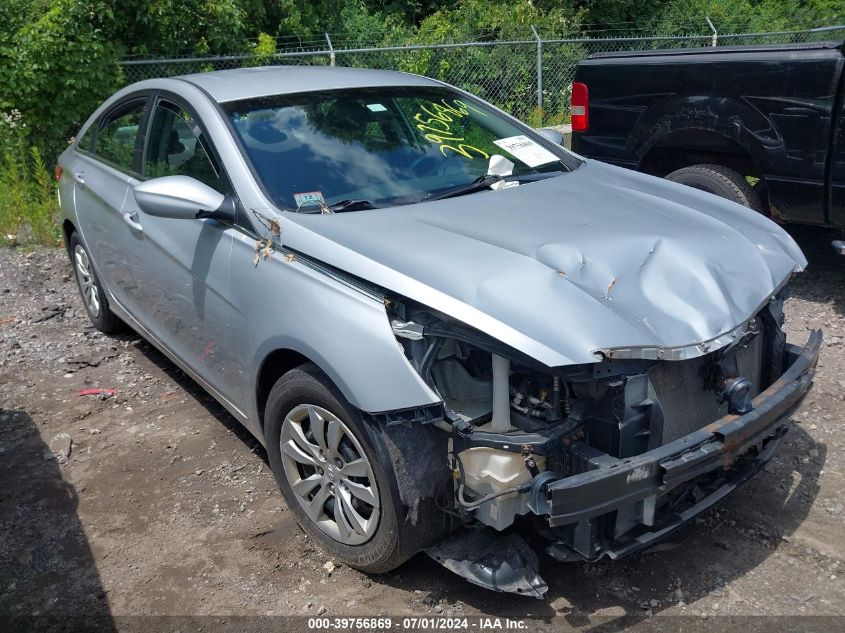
(529,152)
(376,107)
(308,197)
(499,166)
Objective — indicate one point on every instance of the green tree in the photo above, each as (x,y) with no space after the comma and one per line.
(680,17)
(616,17)
(505,75)
(56,69)
(412,12)
(178,27)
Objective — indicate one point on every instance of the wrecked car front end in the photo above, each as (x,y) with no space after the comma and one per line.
(601,351)
(607,457)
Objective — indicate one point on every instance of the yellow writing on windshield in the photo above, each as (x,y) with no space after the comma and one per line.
(438,129)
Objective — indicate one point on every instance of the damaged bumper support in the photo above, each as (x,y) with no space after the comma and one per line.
(733,448)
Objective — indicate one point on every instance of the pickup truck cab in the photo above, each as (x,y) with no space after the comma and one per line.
(759,125)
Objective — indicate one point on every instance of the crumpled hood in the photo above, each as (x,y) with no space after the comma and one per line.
(599,258)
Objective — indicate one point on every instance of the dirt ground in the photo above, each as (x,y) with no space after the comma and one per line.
(166,506)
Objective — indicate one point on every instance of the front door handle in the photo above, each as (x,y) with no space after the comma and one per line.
(131,219)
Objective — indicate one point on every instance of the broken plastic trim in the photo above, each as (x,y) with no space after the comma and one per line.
(501,562)
(408,329)
(414,415)
(411,330)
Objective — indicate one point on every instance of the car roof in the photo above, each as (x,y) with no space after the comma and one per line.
(249,83)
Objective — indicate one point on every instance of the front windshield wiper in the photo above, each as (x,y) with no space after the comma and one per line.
(338,207)
(479,184)
(483,182)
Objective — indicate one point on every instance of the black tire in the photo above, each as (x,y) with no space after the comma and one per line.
(102,317)
(721,181)
(396,538)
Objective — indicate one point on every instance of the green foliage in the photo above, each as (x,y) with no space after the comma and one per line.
(496,19)
(482,70)
(363,27)
(179,27)
(682,17)
(58,58)
(409,11)
(56,70)
(263,50)
(28,204)
(618,17)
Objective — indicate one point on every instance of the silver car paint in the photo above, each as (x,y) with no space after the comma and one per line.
(178,197)
(244,311)
(597,259)
(249,83)
(600,258)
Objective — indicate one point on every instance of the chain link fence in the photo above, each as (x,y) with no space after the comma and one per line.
(530,77)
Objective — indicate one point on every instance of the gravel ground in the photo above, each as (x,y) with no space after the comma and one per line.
(166,506)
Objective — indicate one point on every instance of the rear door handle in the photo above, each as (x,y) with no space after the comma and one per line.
(132,220)
(79,176)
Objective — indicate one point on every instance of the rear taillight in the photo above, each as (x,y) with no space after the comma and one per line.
(580,107)
(58,171)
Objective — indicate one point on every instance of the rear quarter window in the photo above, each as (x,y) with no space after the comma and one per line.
(118,134)
(87,141)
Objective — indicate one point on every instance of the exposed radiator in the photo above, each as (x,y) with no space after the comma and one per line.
(687,405)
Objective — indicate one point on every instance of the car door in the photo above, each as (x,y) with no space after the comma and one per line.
(185,300)
(105,166)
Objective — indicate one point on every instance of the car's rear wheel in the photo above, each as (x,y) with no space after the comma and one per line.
(335,473)
(721,181)
(90,289)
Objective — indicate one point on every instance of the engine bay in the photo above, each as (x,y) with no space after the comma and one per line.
(515,425)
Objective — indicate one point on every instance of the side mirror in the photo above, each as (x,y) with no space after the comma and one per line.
(553,135)
(183,198)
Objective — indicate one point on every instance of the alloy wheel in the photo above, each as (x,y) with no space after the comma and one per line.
(330,474)
(87,282)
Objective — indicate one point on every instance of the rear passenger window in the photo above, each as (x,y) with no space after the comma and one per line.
(118,134)
(175,147)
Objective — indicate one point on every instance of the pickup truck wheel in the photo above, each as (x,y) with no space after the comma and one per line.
(335,472)
(90,289)
(719,180)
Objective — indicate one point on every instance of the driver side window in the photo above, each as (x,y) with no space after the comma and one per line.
(176,148)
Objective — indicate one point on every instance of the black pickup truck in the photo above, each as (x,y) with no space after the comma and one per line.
(760,125)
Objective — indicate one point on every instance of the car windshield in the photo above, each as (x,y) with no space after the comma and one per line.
(382,146)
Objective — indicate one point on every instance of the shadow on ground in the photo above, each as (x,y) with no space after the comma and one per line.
(48,578)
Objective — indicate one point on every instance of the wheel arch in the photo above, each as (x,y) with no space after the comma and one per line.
(68,229)
(279,357)
(720,129)
(689,146)
(275,364)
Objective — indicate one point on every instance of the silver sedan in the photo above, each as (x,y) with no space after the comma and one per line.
(438,321)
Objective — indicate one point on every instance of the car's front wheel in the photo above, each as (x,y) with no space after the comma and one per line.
(335,473)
